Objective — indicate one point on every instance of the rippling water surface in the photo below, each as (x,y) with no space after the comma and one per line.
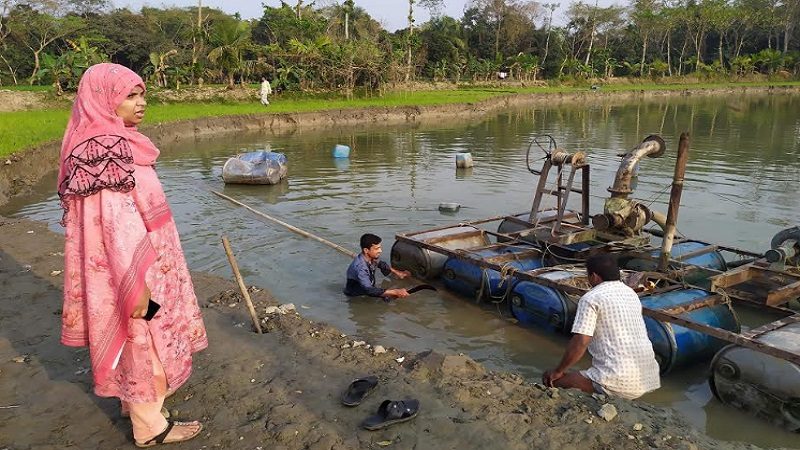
(741,188)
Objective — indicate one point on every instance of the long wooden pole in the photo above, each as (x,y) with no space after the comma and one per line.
(674,201)
(240,281)
(337,247)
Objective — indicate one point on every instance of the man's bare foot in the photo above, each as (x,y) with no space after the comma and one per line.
(175,432)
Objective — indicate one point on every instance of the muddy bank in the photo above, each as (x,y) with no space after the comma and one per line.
(281,390)
(17,173)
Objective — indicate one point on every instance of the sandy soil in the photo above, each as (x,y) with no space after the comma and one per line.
(279,390)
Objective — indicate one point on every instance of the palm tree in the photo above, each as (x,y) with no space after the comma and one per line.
(228,41)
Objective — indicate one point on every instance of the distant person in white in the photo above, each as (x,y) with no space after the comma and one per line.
(266,89)
(609,323)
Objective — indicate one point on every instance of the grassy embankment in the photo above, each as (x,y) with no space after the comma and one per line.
(25,129)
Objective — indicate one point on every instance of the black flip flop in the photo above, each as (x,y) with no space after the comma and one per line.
(392,412)
(358,390)
(420,287)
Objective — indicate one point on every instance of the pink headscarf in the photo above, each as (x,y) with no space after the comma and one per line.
(98,148)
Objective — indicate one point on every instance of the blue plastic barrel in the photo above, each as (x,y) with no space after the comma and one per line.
(341,151)
(710,260)
(538,306)
(469,279)
(677,346)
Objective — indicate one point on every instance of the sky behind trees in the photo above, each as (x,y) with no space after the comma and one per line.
(391,13)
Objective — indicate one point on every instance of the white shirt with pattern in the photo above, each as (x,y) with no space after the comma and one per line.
(623,361)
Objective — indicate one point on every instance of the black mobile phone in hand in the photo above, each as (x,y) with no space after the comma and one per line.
(152,309)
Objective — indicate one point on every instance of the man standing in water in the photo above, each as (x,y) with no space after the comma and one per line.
(609,323)
(361,272)
(266,89)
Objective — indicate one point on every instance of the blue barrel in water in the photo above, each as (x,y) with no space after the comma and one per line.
(468,278)
(538,306)
(711,260)
(677,346)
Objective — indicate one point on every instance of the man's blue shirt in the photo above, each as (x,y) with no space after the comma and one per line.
(361,277)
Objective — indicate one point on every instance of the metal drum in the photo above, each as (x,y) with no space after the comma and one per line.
(676,346)
(710,260)
(759,384)
(467,278)
(427,264)
(538,306)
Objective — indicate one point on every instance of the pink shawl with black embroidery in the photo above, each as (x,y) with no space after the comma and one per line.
(111,199)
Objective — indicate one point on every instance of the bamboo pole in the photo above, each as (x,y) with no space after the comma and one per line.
(337,247)
(240,281)
(674,201)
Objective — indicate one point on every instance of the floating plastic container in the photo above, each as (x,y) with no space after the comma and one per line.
(762,385)
(262,167)
(676,346)
(341,151)
(471,280)
(464,160)
(449,207)
(710,260)
(426,264)
(538,306)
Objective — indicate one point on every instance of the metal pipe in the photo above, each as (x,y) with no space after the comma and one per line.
(653,146)
(674,201)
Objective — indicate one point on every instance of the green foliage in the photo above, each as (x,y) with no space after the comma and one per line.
(65,70)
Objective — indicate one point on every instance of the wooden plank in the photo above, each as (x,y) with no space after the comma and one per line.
(702,302)
(731,277)
(454,236)
(772,326)
(724,335)
(783,294)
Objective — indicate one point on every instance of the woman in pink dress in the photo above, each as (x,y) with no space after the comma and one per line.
(121,250)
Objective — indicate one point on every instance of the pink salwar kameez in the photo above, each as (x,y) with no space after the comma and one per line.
(120,240)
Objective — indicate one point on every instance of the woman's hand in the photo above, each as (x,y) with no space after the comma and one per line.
(141,307)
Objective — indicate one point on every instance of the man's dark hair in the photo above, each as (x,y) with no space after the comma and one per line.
(368,240)
(603,265)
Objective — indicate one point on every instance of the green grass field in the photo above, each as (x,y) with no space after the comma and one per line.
(25,129)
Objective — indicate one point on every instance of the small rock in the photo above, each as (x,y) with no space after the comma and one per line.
(8,162)
(631,437)
(358,343)
(553,392)
(271,310)
(252,380)
(56,273)
(607,412)
(378,350)
(30,231)
(232,305)
(589,420)
(345,346)
(400,359)
(637,427)
(599,397)
(342,335)
(283,309)
(305,307)
(21,359)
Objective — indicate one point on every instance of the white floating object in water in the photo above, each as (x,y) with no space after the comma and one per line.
(449,207)
(341,151)
(261,167)
(464,160)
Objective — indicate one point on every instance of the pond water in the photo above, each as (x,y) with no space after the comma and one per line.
(740,189)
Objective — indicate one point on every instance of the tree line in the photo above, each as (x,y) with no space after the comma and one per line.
(339,46)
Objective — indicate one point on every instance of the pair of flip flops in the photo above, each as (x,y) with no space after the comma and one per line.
(389,412)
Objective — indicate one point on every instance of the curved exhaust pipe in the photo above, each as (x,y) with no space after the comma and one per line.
(653,146)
